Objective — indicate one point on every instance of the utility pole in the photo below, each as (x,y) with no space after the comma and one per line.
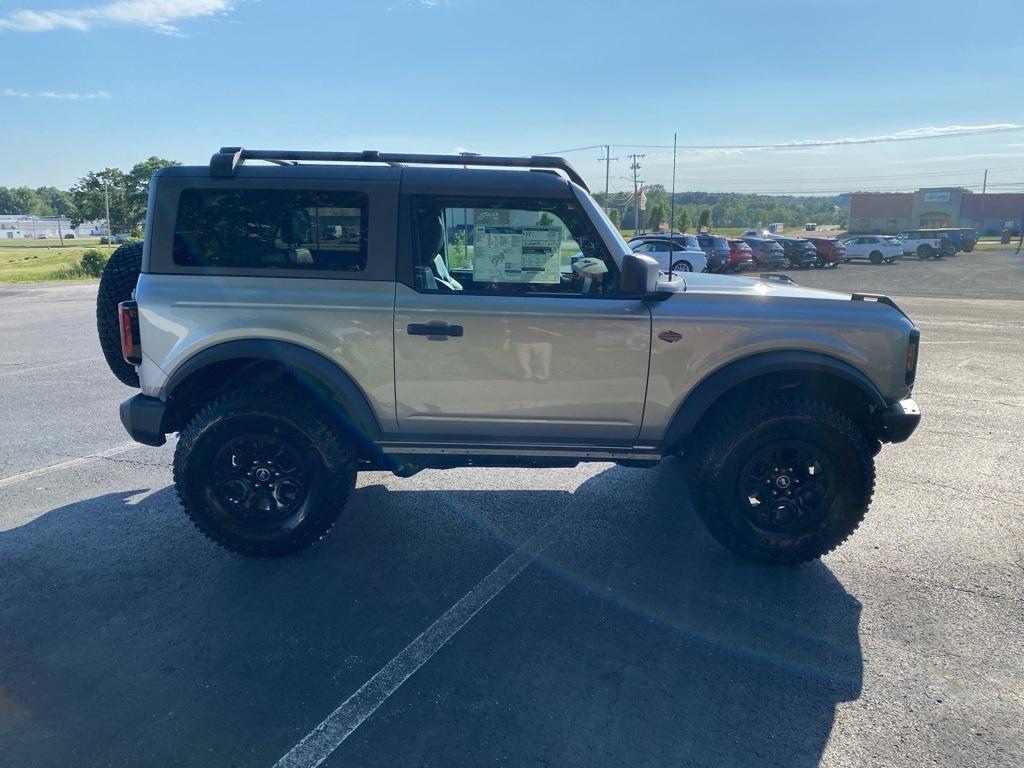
(635,167)
(607,160)
(981,213)
(110,231)
(672,205)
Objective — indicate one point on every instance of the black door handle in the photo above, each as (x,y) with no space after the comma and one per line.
(435,329)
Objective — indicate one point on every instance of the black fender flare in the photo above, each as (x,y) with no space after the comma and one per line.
(715,384)
(304,361)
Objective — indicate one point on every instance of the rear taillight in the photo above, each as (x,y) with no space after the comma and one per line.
(128,320)
(912,347)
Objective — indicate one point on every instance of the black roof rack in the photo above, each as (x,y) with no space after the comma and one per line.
(224,162)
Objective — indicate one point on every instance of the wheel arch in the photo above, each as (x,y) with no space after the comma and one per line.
(251,362)
(818,374)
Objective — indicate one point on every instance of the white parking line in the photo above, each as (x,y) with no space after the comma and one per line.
(17,370)
(4,482)
(319,743)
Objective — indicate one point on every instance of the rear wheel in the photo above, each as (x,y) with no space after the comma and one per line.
(682,266)
(262,474)
(783,481)
(117,282)
(876,257)
(925,252)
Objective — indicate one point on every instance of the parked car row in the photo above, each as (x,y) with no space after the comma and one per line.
(682,252)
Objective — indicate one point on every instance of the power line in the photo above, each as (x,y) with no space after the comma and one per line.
(810,144)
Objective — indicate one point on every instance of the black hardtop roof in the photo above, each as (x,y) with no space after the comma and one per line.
(414,170)
(414,180)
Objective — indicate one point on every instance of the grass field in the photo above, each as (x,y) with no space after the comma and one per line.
(33,261)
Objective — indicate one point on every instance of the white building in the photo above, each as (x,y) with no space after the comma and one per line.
(13,226)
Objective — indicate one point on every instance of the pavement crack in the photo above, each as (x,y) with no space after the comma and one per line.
(952,587)
(948,487)
(132,462)
(955,397)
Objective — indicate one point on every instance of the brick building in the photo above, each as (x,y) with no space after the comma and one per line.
(934,208)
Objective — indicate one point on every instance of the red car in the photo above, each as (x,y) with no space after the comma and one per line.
(741,256)
(830,251)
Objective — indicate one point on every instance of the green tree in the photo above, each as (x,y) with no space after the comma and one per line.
(683,221)
(704,220)
(128,192)
(655,215)
(21,200)
(90,198)
(613,216)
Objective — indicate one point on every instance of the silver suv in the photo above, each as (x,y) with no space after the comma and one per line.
(331,313)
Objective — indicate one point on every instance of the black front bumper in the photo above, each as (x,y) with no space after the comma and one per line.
(143,417)
(900,420)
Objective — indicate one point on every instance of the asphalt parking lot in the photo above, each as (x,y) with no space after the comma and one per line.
(572,617)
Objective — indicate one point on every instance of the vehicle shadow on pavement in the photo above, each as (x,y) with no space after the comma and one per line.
(634,640)
(638,641)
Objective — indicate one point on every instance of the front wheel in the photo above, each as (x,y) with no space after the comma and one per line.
(682,266)
(261,474)
(876,257)
(783,480)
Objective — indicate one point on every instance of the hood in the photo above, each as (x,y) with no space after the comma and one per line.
(746,286)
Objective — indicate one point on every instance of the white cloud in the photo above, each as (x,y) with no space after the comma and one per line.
(159,15)
(61,95)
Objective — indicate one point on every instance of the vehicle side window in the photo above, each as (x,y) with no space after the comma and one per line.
(267,229)
(504,247)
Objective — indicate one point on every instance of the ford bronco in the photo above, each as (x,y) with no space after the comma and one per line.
(326,313)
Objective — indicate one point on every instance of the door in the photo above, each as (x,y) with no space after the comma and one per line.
(509,326)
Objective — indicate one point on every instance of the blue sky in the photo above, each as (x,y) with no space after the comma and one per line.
(86,84)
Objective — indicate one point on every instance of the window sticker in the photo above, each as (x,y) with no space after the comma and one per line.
(508,254)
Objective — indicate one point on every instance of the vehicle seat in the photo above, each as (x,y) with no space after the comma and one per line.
(431,238)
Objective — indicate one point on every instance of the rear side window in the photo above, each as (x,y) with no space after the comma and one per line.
(267,229)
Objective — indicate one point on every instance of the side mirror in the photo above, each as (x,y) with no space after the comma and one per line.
(639,275)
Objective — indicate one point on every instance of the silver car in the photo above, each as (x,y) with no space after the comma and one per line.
(479,317)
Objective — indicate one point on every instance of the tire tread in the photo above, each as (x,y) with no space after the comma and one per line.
(117,282)
(710,453)
(339,462)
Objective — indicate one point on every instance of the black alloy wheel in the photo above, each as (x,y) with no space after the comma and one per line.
(262,473)
(784,487)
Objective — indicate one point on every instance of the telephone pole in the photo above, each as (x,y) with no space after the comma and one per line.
(672,209)
(607,160)
(106,197)
(981,213)
(635,167)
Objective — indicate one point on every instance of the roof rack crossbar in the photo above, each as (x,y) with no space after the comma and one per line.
(227,160)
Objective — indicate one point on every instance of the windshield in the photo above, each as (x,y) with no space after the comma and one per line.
(614,239)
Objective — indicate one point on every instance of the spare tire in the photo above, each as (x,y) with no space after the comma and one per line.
(117,283)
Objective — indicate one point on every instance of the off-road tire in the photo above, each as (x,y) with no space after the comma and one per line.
(117,282)
(925,252)
(329,471)
(716,469)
